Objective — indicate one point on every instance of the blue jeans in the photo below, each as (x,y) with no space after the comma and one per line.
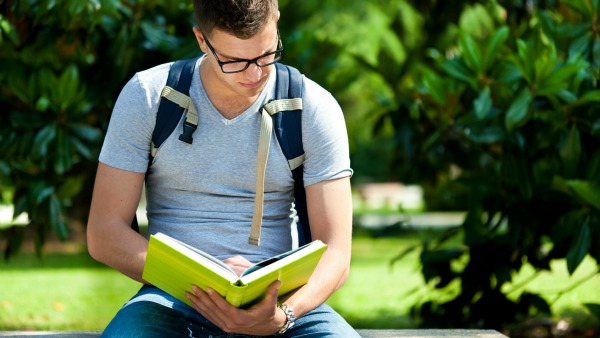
(154,313)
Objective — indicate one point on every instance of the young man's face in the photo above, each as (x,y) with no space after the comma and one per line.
(224,47)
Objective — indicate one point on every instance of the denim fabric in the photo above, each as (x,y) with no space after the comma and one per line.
(153,313)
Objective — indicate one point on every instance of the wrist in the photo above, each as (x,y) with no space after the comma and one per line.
(290,318)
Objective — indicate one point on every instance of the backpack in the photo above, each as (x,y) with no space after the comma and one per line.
(286,114)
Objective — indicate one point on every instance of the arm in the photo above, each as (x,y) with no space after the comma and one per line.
(109,235)
(330,214)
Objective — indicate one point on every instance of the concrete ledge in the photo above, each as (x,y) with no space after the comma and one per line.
(363,333)
(430,333)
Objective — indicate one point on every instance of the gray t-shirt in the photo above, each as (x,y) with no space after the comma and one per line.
(203,193)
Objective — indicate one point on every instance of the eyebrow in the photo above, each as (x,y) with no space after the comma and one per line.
(234,59)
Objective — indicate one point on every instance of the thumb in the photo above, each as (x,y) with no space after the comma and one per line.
(272,291)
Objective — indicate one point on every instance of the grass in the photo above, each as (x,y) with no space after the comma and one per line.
(73,292)
(61,292)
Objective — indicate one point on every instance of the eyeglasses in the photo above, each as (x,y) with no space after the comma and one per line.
(241,65)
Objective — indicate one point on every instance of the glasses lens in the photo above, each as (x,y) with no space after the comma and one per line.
(269,59)
(234,67)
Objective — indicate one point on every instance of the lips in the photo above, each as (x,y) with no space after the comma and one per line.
(251,85)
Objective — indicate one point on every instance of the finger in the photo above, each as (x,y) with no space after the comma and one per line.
(272,292)
(219,301)
(202,303)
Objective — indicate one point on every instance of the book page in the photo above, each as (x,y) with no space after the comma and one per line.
(271,260)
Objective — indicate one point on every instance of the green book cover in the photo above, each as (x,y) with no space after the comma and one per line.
(174,267)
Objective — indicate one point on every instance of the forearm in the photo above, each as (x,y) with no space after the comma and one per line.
(330,275)
(124,249)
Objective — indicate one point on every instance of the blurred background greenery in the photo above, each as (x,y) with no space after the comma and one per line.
(491,107)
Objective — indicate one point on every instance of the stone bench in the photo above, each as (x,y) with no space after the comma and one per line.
(364,333)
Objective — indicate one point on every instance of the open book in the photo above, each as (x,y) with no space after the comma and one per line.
(174,267)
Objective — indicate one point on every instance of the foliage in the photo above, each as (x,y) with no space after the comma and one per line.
(492,105)
(511,109)
(63,64)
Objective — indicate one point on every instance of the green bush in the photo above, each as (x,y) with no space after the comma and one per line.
(509,115)
(62,66)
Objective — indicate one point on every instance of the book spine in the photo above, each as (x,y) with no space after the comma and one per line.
(235,294)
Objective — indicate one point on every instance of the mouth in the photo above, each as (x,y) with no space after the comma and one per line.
(251,85)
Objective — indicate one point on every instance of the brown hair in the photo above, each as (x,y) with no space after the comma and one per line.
(241,18)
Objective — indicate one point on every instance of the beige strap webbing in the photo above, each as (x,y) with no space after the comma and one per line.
(276,106)
(184,101)
(264,143)
(296,162)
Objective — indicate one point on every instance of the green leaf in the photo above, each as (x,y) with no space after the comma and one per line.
(40,191)
(483,103)
(458,70)
(56,218)
(588,191)
(559,79)
(566,96)
(596,52)
(42,141)
(68,86)
(525,61)
(579,6)
(48,82)
(580,45)
(579,248)
(42,104)
(70,187)
(86,133)
(63,159)
(518,112)
(570,151)
(84,150)
(593,167)
(435,86)
(471,53)
(9,30)
(588,97)
(500,36)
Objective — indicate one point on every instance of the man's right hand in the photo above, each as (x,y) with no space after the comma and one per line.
(238,264)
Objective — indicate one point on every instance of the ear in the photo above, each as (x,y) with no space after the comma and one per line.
(200,39)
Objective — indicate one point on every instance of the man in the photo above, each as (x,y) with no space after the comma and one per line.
(203,193)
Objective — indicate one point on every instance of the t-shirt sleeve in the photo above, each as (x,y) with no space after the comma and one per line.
(129,134)
(324,136)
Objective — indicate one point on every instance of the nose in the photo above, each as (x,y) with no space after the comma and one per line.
(253,72)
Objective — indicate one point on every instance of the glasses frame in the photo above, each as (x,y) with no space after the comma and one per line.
(248,61)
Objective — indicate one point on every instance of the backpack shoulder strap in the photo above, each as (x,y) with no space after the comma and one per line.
(177,101)
(287,125)
(176,92)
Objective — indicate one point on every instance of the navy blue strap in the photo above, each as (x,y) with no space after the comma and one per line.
(288,129)
(169,113)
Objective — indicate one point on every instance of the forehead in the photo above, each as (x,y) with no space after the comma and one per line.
(229,45)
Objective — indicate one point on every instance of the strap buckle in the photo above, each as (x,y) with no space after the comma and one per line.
(188,130)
